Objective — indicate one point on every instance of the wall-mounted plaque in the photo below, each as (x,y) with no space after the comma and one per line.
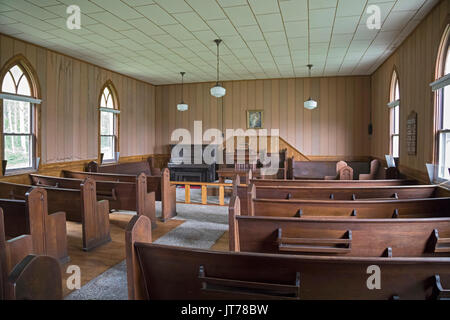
(411,133)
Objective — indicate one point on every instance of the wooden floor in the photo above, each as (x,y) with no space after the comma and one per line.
(222,243)
(99,260)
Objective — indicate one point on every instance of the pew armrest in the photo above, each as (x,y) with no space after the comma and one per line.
(35,278)
(254,289)
(439,293)
(440,244)
(315,245)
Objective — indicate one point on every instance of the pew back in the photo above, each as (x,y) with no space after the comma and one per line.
(131,195)
(174,273)
(30,216)
(164,191)
(343,237)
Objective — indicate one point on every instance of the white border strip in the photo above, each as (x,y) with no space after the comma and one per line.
(9,96)
(393,104)
(109,110)
(441,83)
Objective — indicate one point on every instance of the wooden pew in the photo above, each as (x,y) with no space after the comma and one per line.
(410,208)
(377,172)
(158,272)
(24,275)
(30,216)
(333,193)
(80,205)
(343,237)
(164,191)
(131,196)
(332,183)
(133,168)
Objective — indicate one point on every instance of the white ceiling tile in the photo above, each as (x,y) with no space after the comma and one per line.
(264,7)
(208,9)
(153,40)
(146,26)
(294,10)
(222,28)
(174,6)
(118,8)
(156,15)
(270,22)
(321,18)
(241,16)
(191,20)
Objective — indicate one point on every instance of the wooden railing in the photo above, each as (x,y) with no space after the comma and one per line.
(204,188)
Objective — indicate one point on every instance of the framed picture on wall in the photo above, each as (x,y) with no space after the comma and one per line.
(255,119)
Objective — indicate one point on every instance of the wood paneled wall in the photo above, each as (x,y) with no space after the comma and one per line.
(339,127)
(415,60)
(70,90)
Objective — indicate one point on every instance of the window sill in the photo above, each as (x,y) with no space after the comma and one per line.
(19,172)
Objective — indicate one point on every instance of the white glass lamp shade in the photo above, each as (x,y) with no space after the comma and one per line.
(182,107)
(310,104)
(218,91)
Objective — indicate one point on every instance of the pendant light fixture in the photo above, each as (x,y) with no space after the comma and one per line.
(310,104)
(182,106)
(218,91)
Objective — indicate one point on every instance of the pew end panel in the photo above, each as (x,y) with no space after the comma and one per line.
(168,196)
(52,226)
(145,201)
(138,230)
(234,210)
(35,278)
(95,217)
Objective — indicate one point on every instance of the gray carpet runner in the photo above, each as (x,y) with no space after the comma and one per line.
(203,226)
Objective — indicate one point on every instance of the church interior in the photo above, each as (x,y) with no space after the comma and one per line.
(224,149)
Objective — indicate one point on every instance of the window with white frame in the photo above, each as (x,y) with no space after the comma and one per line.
(109,125)
(394,112)
(19,127)
(442,114)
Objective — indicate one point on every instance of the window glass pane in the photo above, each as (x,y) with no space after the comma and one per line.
(16,116)
(110,102)
(446,108)
(397,91)
(17,73)
(8,84)
(107,123)
(395,146)
(107,147)
(24,87)
(444,155)
(18,152)
(396,120)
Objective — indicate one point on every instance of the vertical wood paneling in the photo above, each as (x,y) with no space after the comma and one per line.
(69,112)
(321,132)
(415,60)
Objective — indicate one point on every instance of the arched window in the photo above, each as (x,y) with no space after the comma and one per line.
(394,116)
(18,104)
(442,111)
(109,124)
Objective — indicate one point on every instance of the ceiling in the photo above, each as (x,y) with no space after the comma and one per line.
(153,40)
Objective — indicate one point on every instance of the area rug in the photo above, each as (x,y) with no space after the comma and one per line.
(203,226)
